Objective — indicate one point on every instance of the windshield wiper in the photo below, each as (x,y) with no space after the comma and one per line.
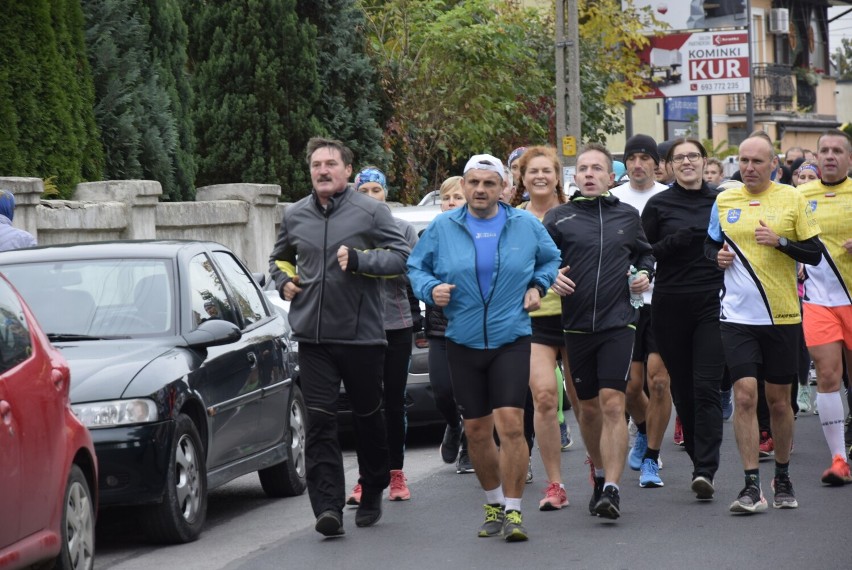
(59,337)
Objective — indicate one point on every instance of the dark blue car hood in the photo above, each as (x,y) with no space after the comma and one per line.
(103,369)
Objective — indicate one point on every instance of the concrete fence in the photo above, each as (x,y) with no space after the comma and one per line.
(244,217)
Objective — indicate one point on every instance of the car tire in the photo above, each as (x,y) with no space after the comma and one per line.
(78,524)
(289,478)
(180,517)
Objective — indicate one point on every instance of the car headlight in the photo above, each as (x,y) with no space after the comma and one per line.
(115,413)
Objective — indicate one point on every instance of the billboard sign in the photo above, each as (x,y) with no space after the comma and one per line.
(696,14)
(701,63)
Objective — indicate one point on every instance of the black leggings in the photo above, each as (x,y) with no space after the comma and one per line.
(397,359)
(439,378)
(687,331)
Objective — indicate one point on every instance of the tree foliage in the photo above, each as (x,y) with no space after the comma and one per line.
(168,44)
(843,59)
(476,76)
(610,39)
(46,94)
(348,106)
(257,90)
(132,107)
(459,78)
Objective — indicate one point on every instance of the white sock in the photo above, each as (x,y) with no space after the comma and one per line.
(830,406)
(513,504)
(495,496)
(599,473)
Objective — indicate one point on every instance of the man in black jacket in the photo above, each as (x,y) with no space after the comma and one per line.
(600,239)
(331,246)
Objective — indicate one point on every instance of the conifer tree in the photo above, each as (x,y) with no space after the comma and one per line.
(168,44)
(256,88)
(132,108)
(349,105)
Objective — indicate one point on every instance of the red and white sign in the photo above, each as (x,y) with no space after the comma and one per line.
(704,63)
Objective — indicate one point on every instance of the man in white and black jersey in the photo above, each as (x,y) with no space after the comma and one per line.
(651,412)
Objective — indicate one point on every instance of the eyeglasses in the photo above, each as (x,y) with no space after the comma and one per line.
(692,157)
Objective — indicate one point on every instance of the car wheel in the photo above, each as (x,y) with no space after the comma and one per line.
(288,479)
(78,524)
(181,515)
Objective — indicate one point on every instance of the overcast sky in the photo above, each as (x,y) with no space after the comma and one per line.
(841,28)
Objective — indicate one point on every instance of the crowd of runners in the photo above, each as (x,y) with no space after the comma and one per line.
(671,287)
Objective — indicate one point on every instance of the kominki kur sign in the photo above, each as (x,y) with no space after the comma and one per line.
(701,63)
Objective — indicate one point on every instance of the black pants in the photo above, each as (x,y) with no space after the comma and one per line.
(322,367)
(439,378)
(397,360)
(687,331)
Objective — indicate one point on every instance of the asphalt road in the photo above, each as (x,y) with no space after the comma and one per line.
(659,528)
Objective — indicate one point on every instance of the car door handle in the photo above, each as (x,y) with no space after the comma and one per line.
(252,358)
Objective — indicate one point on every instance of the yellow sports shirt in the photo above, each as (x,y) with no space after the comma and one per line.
(760,285)
(829,283)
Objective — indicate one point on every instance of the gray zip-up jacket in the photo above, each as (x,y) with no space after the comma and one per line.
(336,306)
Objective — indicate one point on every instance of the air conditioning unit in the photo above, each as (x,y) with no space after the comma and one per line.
(779,21)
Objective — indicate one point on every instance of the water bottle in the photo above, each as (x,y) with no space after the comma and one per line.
(636,299)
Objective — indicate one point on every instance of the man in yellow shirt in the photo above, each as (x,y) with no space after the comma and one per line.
(827,303)
(757,233)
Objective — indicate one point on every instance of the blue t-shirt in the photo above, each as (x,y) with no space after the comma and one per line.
(486,234)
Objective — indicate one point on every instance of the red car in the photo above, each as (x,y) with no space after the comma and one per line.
(48,470)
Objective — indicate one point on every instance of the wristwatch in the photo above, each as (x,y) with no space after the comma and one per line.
(782,243)
(541,290)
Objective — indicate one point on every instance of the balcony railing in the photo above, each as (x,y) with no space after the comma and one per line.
(773,88)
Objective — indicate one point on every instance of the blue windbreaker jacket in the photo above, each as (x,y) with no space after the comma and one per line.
(526,256)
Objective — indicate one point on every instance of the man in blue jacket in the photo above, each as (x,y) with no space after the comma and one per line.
(488,265)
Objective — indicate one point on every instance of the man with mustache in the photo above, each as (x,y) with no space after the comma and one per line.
(331,247)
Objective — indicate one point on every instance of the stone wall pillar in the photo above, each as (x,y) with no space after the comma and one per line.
(27,193)
(259,235)
(139,196)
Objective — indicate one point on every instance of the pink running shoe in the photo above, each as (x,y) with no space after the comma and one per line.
(355,496)
(554,498)
(398,488)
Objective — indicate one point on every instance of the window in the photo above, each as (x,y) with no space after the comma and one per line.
(15,342)
(208,299)
(246,295)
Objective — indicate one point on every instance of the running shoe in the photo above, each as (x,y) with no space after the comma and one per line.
(767,446)
(804,399)
(678,432)
(355,496)
(450,444)
(554,498)
(838,474)
(565,436)
(607,506)
(398,488)
(529,472)
(703,488)
(494,517)
(464,465)
(597,491)
(784,497)
(637,452)
(727,404)
(650,474)
(513,527)
(749,501)
(329,524)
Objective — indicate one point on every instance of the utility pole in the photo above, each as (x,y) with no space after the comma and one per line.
(568,125)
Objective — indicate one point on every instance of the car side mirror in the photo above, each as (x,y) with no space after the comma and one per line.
(214,332)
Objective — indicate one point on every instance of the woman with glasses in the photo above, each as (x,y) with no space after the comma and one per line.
(685,308)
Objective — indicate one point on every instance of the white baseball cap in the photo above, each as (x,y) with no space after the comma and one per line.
(486,162)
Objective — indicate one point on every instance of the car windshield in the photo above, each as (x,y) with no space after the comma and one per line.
(98,298)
